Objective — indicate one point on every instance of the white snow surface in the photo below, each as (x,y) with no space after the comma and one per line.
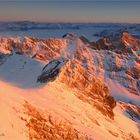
(21,71)
(60,101)
(18,76)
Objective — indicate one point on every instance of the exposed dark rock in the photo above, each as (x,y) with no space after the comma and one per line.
(51,70)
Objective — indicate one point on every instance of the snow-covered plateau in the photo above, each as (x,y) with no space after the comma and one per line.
(69,82)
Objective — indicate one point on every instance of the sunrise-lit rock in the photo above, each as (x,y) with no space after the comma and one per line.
(73,88)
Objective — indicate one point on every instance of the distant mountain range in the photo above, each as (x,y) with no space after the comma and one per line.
(28,25)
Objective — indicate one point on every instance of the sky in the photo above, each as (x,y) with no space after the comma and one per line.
(104,11)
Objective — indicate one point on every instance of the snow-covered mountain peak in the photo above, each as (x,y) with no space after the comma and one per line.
(92,85)
(98,57)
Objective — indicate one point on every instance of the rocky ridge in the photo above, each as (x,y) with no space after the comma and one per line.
(85,68)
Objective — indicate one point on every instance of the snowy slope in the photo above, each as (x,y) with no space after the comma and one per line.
(72,81)
(64,105)
(21,71)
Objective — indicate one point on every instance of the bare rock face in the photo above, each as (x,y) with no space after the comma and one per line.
(127,44)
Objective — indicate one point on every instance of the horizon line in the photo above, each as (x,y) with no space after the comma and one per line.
(61,22)
(69,0)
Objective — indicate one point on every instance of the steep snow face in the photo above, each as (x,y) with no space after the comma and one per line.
(11,126)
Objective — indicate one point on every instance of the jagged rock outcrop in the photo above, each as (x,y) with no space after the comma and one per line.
(89,88)
(46,127)
(41,49)
(130,41)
